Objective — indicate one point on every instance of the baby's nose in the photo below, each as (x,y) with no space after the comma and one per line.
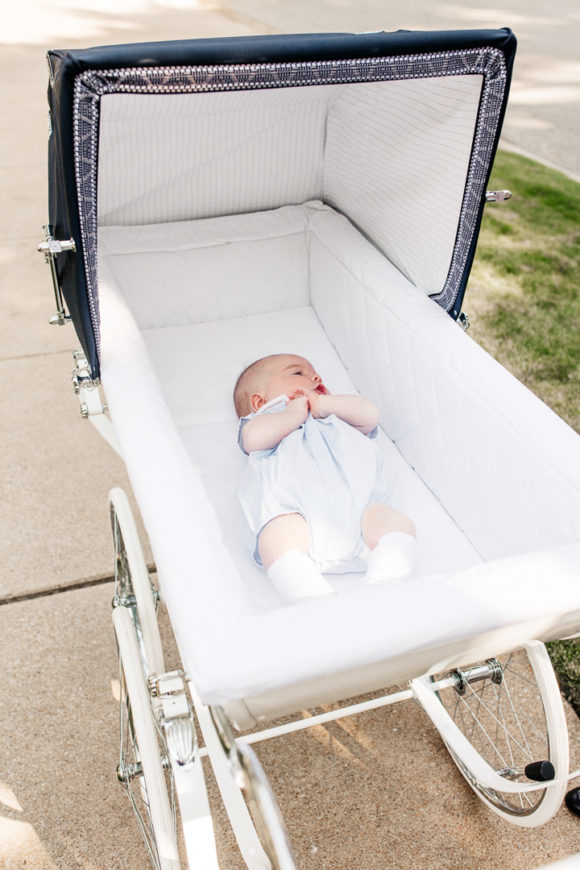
(316,378)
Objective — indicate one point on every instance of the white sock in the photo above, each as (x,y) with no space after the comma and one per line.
(295,577)
(392,559)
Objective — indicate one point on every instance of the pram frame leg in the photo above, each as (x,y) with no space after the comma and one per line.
(238,771)
(196,819)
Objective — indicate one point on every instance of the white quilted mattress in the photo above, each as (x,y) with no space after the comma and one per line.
(202,408)
(303,280)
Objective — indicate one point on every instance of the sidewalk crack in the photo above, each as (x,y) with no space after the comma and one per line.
(73,585)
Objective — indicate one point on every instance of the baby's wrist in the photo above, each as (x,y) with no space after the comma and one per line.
(324,405)
(295,410)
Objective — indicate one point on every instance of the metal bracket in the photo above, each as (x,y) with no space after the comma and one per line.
(498,195)
(81,376)
(85,387)
(176,714)
(51,247)
(463,321)
(92,406)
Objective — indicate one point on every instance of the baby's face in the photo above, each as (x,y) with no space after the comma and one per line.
(287,374)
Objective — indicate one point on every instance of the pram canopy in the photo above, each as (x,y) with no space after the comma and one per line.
(397,131)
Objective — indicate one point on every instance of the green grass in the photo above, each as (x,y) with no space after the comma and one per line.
(565,655)
(524,291)
(523,299)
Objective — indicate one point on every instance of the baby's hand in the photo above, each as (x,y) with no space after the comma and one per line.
(298,407)
(317,403)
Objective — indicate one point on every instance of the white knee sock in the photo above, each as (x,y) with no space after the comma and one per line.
(392,559)
(295,577)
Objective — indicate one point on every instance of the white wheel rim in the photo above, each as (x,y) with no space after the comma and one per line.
(160,834)
(494,727)
(150,639)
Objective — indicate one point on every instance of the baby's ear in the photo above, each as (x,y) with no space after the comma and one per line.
(257,401)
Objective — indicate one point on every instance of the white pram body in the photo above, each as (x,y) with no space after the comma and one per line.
(337,221)
(445,407)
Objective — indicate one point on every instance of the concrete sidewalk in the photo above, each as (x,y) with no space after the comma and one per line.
(377,791)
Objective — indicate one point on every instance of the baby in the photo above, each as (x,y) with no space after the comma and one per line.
(313,492)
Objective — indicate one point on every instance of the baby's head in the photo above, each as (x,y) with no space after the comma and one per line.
(272,376)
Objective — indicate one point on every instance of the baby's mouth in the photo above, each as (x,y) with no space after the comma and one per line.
(321,389)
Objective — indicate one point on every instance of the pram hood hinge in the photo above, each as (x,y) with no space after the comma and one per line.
(92,407)
(498,195)
(464,321)
(81,376)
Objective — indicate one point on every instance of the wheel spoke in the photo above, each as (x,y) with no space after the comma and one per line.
(483,730)
(133,784)
(504,719)
(507,733)
(147,783)
(519,724)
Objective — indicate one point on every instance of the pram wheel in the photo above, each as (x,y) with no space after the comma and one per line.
(143,767)
(133,587)
(503,721)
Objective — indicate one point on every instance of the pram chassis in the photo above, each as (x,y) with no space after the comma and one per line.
(160,761)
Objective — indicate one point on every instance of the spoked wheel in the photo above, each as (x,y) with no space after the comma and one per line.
(142,760)
(133,587)
(504,725)
(143,768)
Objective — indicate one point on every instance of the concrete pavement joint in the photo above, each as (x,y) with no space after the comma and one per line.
(99,580)
(55,590)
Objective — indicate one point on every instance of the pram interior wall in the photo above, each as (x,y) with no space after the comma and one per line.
(392,156)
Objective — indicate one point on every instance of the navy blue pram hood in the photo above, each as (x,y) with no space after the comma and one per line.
(65,66)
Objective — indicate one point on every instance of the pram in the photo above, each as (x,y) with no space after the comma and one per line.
(213,201)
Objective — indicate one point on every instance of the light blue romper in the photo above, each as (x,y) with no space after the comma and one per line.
(327,471)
